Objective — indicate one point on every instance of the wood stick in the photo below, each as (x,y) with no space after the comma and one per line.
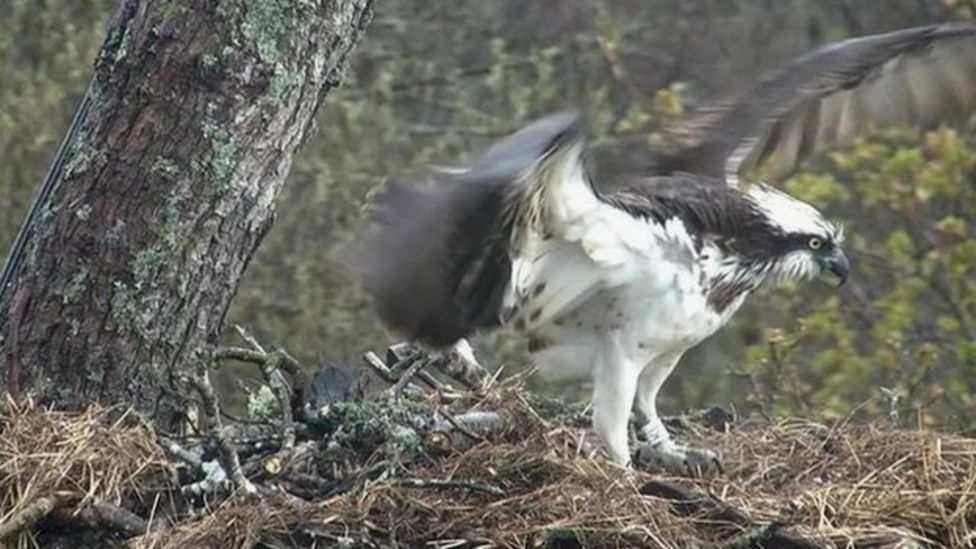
(416,363)
(400,352)
(27,517)
(444,484)
(272,374)
(232,462)
(104,515)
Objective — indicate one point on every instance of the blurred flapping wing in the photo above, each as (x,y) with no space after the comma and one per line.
(918,77)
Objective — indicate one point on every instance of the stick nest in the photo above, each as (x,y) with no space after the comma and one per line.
(539,481)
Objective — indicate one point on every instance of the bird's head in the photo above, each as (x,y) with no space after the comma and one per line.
(803,243)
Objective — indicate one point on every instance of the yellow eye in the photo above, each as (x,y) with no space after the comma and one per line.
(815,243)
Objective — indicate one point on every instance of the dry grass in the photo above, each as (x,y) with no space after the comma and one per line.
(854,482)
(72,459)
(537,484)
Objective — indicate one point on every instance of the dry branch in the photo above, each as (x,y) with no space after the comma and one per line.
(27,517)
(104,516)
(231,461)
(402,354)
(443,484)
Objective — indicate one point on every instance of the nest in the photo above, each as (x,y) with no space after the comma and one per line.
(540,481)
(54,462)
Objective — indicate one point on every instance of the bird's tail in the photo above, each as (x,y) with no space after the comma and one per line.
(436,253)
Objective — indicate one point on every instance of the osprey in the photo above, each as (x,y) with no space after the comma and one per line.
(618,285)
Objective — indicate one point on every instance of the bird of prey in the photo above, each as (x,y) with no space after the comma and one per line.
(618,285)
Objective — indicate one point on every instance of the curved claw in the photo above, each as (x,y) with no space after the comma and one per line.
(681,460)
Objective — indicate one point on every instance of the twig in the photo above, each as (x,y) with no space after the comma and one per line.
(463,429)
(27,517)
(249,339)
(386,374)
(227,451)
(237,353)
(416,363)
(298,374)
(104,515)
(379,367)
(402,354)
(184,455)
(271,365)
(272,373)
(442,484)
(214,478)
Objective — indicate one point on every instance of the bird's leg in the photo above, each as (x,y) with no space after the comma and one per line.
(658,449)
(649,384)
(614,385)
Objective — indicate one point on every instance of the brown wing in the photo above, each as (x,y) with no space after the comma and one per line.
(920,76)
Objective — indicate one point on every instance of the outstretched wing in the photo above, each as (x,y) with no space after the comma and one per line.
(520,234)
(918,76)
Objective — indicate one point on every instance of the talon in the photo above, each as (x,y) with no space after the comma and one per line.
(689,462)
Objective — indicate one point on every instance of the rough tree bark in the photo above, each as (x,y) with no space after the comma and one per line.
(196,110)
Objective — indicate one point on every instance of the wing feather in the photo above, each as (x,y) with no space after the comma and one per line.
(567,242)
(435,253)
(441,254)
(919,76)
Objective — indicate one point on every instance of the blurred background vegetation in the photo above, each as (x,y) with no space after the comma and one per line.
(436,79)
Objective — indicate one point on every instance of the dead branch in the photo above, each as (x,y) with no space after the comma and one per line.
(416,363)
(379,367)
(272,362)
(239,354)
(294,368)
(104,516)
(441,484)
(272,373)
(215,477)
(27,517)
(459,363)
(249,338)
(186,456)
(385,373)
(228,453)
(401,355)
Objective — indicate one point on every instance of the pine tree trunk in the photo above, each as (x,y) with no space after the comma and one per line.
(196,112)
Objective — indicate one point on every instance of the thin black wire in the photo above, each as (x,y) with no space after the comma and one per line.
(16,254)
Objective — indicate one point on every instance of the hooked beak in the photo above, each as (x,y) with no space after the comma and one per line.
(835,267)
